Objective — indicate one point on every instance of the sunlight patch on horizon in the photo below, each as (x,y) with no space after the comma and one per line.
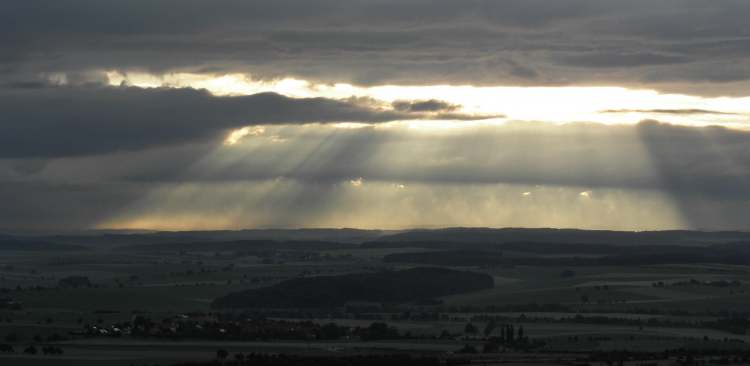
(388,205)
(400,178)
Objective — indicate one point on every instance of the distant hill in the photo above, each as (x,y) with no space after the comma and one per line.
(445,237)
(105,240)
(449,238)
(580,255)
(238,245)
(10,243)
(333,291)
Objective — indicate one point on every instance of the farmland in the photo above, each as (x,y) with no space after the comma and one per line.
(86,298)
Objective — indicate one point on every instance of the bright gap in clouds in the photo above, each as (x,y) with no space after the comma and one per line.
(608,105)
(237,135)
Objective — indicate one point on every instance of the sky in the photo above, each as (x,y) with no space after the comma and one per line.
(229,114)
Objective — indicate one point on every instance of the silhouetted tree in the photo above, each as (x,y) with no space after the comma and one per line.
(468,349)
(332,331)
(222,354)
(6,348)
(567,273)
(470,329)
(510,334)
(380,330)
(490,327)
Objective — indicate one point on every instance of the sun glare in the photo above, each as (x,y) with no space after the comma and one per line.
(608,105)
(236,135)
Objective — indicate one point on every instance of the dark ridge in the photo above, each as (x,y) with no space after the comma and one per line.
(238,245)
(532,247)
(385,238)
(510,235)
(7,243)
(100,239)
(334,291)
(732,253)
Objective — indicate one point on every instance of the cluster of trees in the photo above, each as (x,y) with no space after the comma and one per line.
(504,333)
(74,282)
(732,324)
(239,328)
(335,291)
(694,282)
(500,335)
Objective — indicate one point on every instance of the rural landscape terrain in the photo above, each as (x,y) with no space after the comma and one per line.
(361,297)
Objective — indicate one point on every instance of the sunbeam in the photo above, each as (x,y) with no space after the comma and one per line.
(397,177)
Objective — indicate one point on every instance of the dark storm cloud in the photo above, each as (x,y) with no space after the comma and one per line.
(614,60)
(431,105)
(666,43)
(91,119)
(57,205)
(438,109)
(60,121)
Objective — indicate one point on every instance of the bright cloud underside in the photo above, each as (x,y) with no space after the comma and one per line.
(547,104)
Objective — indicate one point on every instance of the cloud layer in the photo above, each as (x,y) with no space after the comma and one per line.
(50,121)
(685,45)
